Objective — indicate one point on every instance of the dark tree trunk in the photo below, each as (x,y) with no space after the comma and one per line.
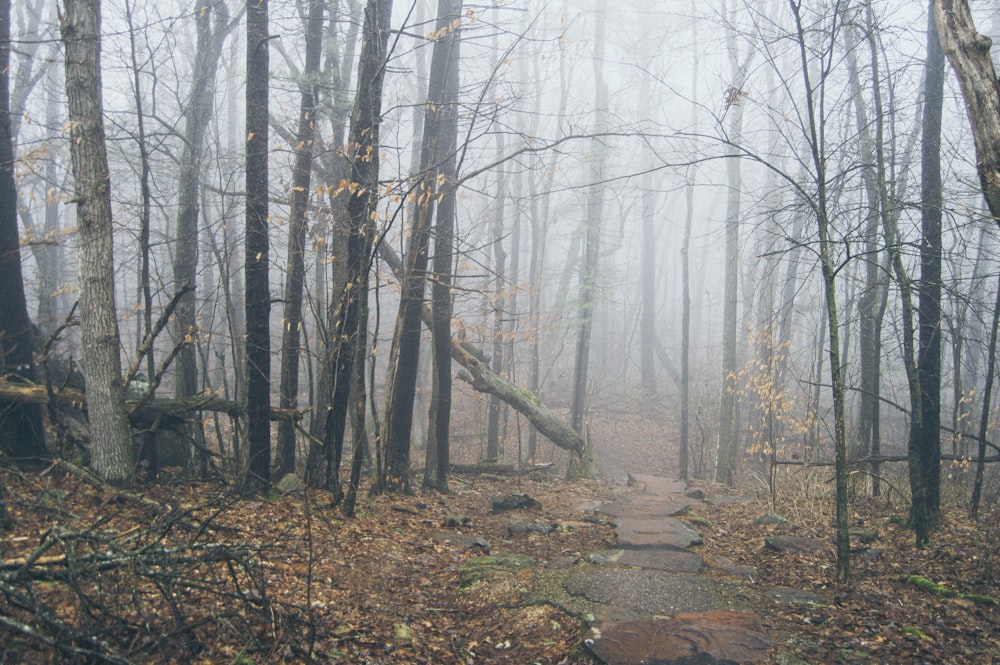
(347,335)
(436,467)
(21,431)
(405,354)
(295,278)
(256,259)
(197,116)
(111,447)
(925,442)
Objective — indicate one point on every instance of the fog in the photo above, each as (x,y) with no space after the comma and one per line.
(708,126)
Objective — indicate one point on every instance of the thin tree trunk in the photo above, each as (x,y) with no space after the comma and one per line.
(20,426)
(925,443)
(211,26)
(725,466)
(439,418)
(256,257)
(404,356)
(295,278)
(111,447)
(592,229)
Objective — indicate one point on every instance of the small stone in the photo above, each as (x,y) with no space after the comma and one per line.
(290,484)
(514,502)
(770,518)
(860,534)
(695,493)
(794,544)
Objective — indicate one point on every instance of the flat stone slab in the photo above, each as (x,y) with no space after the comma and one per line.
(666,560)
(461,540)
(650,592)
(700,638)
(657,485)
(645,506)
(795,544)
(661,533)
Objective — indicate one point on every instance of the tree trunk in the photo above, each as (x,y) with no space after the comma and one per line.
(925,444)
(984,418)
(256,258)
(592,228)
(111,445)
(815,133)
(404,356)
(349,326)
(295,278)
(20,426)
(969,55)
(439,420)
(727,400)
(197,116)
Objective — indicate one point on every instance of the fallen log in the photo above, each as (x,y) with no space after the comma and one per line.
(34,393)
(484,380)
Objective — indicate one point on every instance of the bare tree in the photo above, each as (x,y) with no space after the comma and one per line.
(20,425)
(111,444)
(295,277)
(256,260)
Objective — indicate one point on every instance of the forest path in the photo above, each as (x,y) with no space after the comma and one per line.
(653,599)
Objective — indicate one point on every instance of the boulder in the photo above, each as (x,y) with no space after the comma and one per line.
(795,544)
(514,502)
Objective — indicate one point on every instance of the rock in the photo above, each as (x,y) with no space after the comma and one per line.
(651,592)
(402,635)
(736,570)
(646,507)
(770,518)
(562,562)
(666,532)
(402,508)
(462,540)
(657,485)
(481,567)
(666,560)
(790,596)
(695,493)
(687,639)
(871,554)
(455,521)
(794,544)
(514,502)
(290,484)
(540,528)
(860,534)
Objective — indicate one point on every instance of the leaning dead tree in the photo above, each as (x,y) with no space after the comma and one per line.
(482,379)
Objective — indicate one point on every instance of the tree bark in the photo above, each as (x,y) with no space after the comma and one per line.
(295,278)
(112,446)
(347,333)
(439,420)
(925,444)
(210,37)
(404,356)
(968,51)
(256,258)
(20,425)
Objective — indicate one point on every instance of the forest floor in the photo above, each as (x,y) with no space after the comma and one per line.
(186,573)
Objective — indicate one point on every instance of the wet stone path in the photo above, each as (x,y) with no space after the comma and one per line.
(650,600)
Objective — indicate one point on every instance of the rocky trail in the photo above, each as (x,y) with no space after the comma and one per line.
(651,597)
